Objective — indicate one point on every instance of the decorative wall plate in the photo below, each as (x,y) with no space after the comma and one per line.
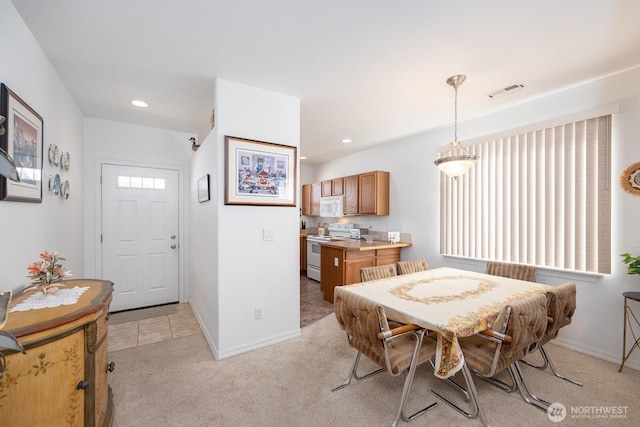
(630,179)
(56,184)
(65,190)
(54,155)
(65,161)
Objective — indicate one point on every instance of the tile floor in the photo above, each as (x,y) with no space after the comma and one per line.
(148,325)
(312,304)
(133,328)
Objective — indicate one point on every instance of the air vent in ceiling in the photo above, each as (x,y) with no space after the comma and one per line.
(506,91)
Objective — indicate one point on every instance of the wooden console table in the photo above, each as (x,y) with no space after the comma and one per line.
(62,380)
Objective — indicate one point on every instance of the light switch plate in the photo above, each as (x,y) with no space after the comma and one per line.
(268,235)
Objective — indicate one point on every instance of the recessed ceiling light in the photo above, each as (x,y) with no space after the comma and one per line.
(139,103)
(303,157)
(346,140)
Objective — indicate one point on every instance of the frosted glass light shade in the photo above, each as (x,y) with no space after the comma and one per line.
(455,166)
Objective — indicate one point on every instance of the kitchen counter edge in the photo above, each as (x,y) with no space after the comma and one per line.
(360,245)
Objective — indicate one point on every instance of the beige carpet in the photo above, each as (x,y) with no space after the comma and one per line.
(178,383)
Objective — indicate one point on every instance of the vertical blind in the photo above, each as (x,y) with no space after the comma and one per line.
(540,198)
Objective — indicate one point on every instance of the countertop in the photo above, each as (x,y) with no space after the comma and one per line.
(361,245)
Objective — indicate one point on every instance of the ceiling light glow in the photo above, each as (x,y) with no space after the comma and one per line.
(346,140)
(139,103)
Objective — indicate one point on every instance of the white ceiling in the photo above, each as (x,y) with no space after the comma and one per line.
(369,70)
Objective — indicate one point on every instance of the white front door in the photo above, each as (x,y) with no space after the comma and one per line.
(140,235)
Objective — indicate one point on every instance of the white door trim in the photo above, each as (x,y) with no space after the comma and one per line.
(97,188)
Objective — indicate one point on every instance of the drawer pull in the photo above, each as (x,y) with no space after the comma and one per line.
(82,385)
(111,366)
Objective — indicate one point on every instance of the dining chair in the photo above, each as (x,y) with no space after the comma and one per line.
(406,267)
(561,303)
(377,272)
(512,271)
(516,331)
(395,350)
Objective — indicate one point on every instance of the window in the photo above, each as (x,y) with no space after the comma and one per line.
(141,183)
(540,198)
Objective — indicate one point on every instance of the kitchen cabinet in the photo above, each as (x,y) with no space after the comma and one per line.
(306,199)
(337,187)
(62,379)
(303,253)
(326,188)
(341,262)
(351,194)
(316,193)
(373,193)
(332,187)
(364,194)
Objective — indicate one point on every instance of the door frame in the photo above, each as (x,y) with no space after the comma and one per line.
(183,243)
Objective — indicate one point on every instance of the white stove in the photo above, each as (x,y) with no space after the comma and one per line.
(337,231)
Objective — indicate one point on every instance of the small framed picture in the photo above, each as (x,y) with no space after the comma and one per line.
(203,189)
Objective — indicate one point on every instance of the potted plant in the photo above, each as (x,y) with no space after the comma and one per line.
(633,263)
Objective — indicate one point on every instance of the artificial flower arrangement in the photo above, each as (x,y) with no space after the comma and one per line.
(47,274)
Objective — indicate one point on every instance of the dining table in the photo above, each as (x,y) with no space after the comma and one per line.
(451,302)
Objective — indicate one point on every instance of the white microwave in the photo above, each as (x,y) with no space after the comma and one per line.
(332,206)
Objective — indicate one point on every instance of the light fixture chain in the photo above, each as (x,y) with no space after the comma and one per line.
(455,109)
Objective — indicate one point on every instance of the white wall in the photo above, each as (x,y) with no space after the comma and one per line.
(234,271)
(597,325)
(54,224)
(121,143)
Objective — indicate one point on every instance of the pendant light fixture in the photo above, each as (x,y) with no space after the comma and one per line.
(457,160)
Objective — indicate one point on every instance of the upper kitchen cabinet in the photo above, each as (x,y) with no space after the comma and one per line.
(332,187)
(337,187)
(326,188)
(306,199)
(311,199)
(351,195)
(316,191)
(364,194)
(373,193)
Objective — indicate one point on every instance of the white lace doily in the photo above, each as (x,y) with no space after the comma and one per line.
(64,296)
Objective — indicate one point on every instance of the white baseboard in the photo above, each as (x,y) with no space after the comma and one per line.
(597,353)
(218,355)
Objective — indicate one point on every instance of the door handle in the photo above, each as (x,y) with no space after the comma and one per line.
(173,246)
(173,237)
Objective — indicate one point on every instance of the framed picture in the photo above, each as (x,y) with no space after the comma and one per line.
(22,140)
(259,173)
(203,189)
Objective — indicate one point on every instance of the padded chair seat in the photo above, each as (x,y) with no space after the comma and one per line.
(361,321)
(526,325)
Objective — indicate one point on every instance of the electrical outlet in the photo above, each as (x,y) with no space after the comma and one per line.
(393,236)
(268,235)
(258,313)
